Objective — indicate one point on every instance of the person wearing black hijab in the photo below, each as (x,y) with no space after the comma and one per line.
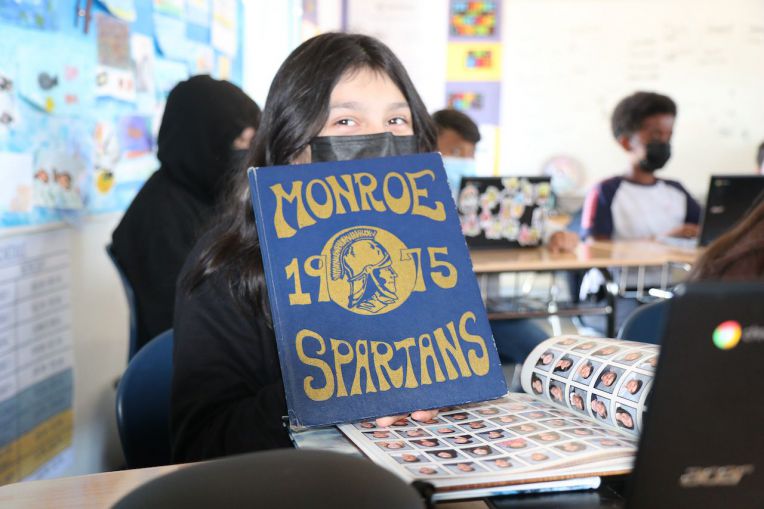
(206,127)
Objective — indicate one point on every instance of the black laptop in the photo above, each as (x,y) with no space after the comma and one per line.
(500,212)
(729,198)
(703,442)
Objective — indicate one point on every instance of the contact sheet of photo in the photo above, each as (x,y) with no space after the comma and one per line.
(510,438)
(603,380)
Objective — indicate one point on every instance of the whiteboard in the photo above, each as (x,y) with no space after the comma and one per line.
(566,63)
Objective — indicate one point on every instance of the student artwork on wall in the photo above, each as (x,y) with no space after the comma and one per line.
(474,61)
(79,115)
(478,99)
(114,76)
(171,37)
(474,20)
(224,27)
(54,80)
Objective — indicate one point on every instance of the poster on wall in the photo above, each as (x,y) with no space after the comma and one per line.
(36,357)
(170,34)
(198,12)
(468,20)
(16,191)
(478,99)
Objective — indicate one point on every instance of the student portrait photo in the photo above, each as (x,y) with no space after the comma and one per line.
(571,447)
(426,442)
(607,379)
(500,463)
(393,446)
(576,399)
(556,391)
(563,366)
(630,357)
(599,406)
(537,383)
(459,416)
(606,351)
(546,437)
(445,454)
(413,433)
(633,387)
(482,450)
(461,440)
(408,458)
(585,346)
(625,418)
(494,434)
(649,364)
(514,443)
(378,434)
(585,370)
(507,419)
(546,360)
(566,341)
(424,470)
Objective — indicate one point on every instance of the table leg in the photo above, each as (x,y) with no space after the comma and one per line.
(611,296)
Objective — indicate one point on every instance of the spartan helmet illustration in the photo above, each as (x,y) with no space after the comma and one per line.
(366,265)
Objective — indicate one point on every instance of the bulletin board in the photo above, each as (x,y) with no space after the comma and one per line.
(82,92)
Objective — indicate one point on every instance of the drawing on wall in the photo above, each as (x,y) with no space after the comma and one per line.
(114,76)
(201,58)
(474,20)
(16,191)
(54,80)
(170,34)
(40,14)
(474,61)
(134,133)
(479,100)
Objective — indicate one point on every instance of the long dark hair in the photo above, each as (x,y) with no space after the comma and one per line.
(295,112)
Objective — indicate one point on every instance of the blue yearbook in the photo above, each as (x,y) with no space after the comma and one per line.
(375,305)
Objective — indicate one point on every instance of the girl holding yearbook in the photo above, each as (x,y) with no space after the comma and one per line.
(336,97)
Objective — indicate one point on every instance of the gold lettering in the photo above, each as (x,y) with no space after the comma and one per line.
(401,204)
(284,229)
(341,359)
(320,210)
(325,392)
(406,345)
(366,191)
(347,193)
(453,349)
(427,352)
(382,360)
(479,363)
(362,364)
(436,214)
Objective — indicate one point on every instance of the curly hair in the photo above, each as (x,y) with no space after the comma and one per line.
(632,111)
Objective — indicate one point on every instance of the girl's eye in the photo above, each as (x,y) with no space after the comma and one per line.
(398,121)
(349,122)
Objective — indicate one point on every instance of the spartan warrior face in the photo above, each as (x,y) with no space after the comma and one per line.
(366,265)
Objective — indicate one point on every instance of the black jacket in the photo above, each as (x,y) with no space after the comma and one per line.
(202,118)
(227,393)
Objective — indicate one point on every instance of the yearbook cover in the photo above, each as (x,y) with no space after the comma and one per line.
(375,306)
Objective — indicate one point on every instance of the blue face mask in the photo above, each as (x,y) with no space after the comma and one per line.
(456,168)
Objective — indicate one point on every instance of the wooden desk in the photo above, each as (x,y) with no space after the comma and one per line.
(588,255)
(602,255)
(99,491)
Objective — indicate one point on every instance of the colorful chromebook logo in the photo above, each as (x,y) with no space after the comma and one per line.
(727,335)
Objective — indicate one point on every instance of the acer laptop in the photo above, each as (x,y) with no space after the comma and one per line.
(703,442)
(497,212)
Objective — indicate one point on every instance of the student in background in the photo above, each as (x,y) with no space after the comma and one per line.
(458,136)
(206,127)
(227,394)
(637,204)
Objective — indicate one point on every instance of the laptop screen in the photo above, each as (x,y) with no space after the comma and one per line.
(504,211)
(703,440)
(729,198)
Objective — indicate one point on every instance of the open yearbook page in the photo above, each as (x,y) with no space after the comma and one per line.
(579,417)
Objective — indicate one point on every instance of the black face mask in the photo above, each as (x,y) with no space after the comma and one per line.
(347,148)
(657,154)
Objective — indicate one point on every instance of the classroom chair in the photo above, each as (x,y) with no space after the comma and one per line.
(143,404)
(645,323)
(283,478)
(132,347)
